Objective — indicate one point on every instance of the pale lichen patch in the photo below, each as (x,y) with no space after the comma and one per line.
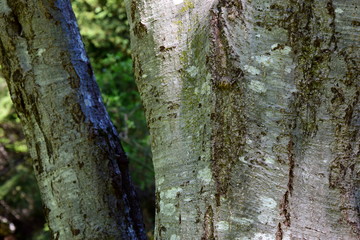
(283,49)
(339,10)
(160,180)
(205,175)
(196,91)
(23,55)
(242,221)
(263,236)
(268,202)
(252,70)
(269,160)
(286,50)
(4,7)
(171,193)
(288,69)
(192,71)
(267,210)
(40,52)
(265,217)
(257,86)
(167,209)
(174,237)
(264,60)
(205,88)
(222,226)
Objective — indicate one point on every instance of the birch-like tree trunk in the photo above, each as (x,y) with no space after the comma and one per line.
(253,108)
(79,163)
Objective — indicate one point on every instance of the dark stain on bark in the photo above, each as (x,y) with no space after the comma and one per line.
(81,164)
(55,235)
(157,202)
(313,38)
(46,211)
(75,231)
(73,78)
(18,30)
(221,61)
(38,166)
(311,55)
(49,147)
(37,160)
(355,23)
(312,52)
(140,30)
(228,104)
(134,10)
(166,49)
(344,175)
(208,225)
(122,184)
(162,230)
(77,113)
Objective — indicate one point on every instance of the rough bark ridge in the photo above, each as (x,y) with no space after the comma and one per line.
(253,108)
(80,165)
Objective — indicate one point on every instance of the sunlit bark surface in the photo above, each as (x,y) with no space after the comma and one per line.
(253,109)
(79,163)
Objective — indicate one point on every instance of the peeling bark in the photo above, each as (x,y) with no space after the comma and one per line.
(81,168)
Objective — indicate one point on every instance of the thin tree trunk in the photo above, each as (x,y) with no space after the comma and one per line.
(253,108)
(80,166)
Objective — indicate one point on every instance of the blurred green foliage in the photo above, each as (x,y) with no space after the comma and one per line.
(104,30)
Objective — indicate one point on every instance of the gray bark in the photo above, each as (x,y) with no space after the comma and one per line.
(79,163)
(253,109)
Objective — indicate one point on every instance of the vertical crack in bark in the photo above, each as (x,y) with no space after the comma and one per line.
(284,206)
(279,232)
(208,225)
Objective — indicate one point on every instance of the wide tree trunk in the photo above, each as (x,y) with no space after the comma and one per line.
(253,108)
(79,163)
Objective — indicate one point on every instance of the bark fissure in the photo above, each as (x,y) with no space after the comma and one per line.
(279,232)
(208,225)
(285,203)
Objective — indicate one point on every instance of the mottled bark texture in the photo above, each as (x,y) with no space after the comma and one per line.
(79,163)
(253,108)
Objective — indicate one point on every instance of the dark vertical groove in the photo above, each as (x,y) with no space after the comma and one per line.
(228,105)
(284,205)
(208,225)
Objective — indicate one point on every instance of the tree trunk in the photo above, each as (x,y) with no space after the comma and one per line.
(79,163)
(253,108)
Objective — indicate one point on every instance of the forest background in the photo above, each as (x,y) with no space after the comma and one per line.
(104,29)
